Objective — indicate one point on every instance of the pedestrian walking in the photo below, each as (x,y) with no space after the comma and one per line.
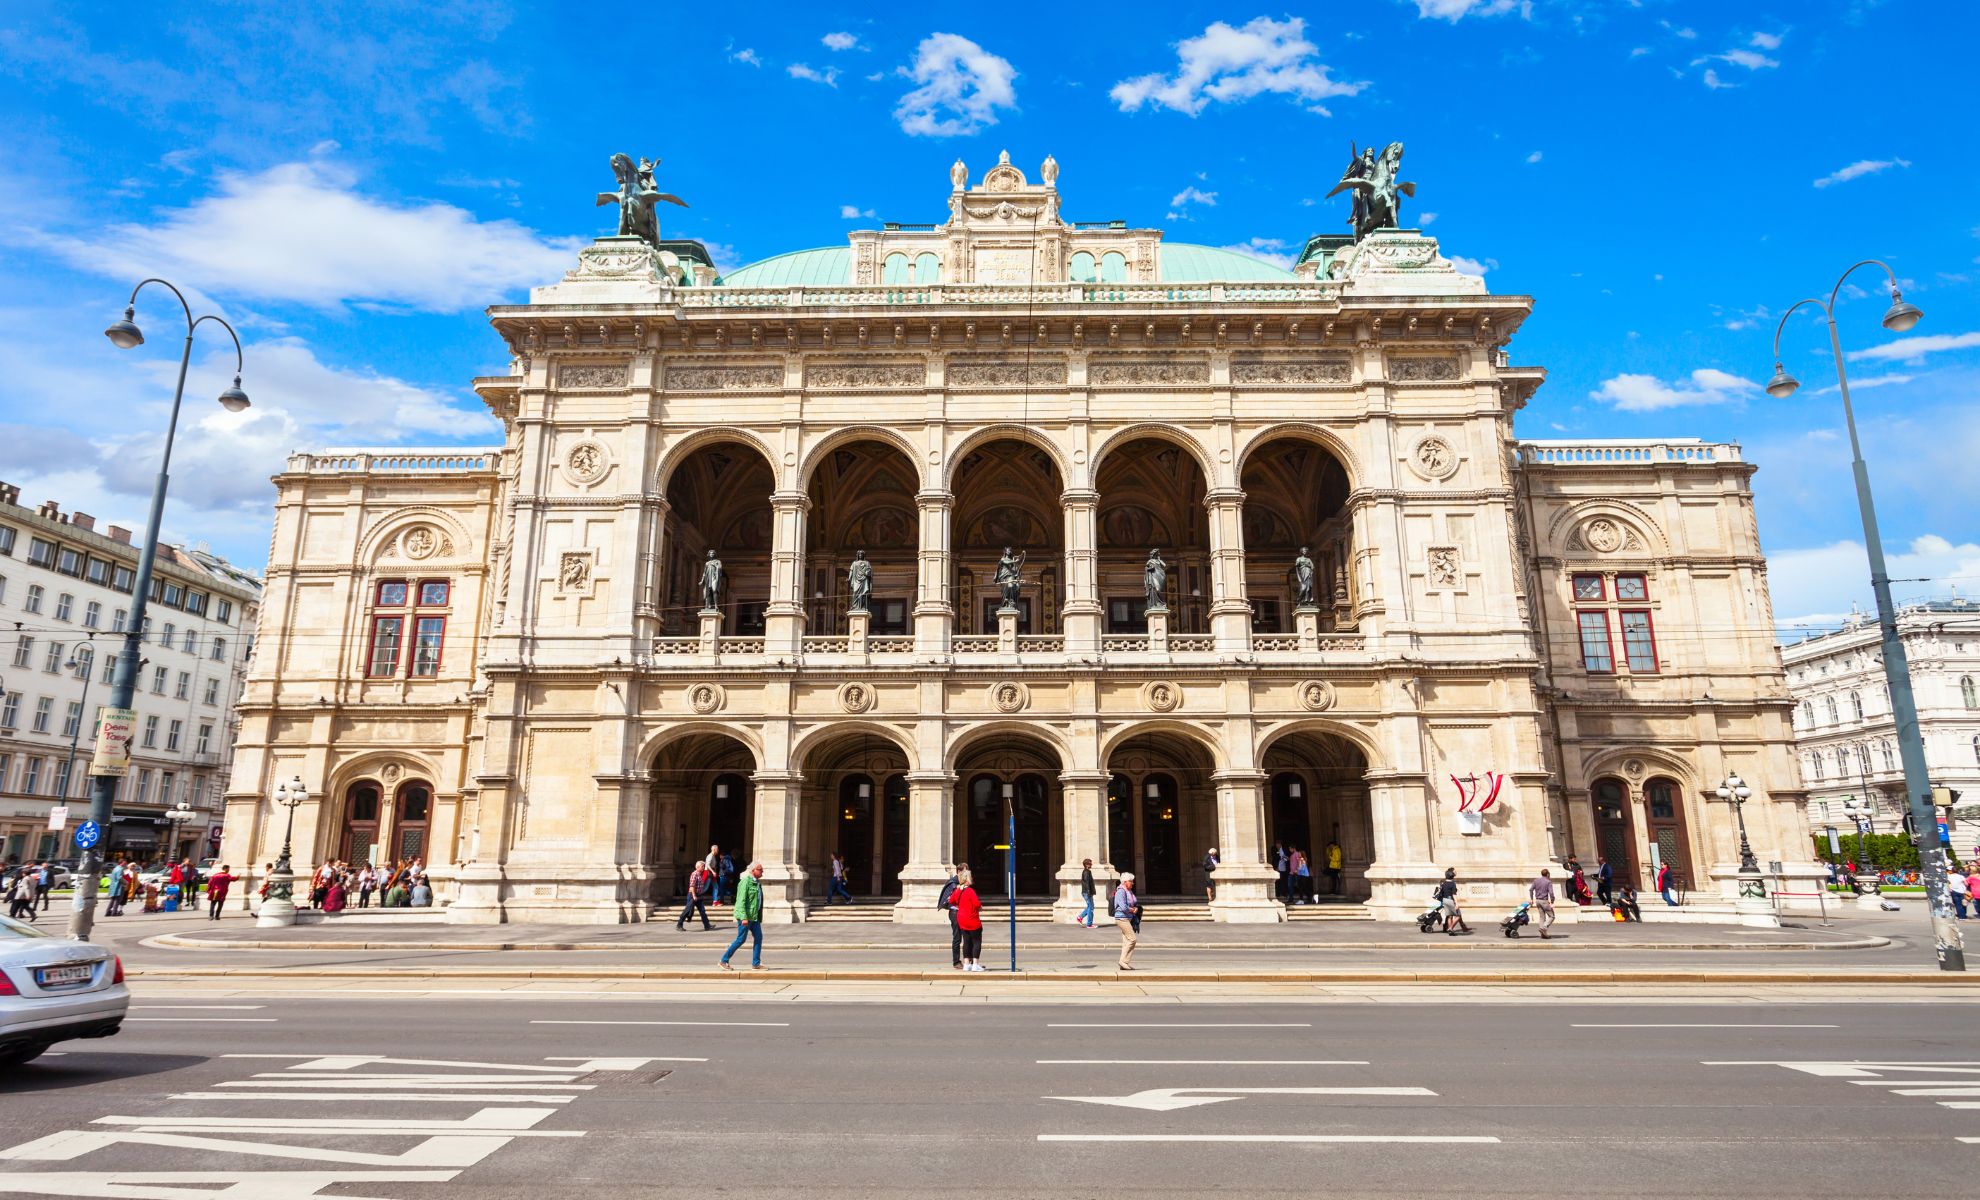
(1956,888)
(1605,880)
(946,902)
(1665,883)
(725,879)
(749,919)
(115,891)
(1280,864)
(216,891)
(1302,870)
(1333,861)
(1126,910)
(1973,892)
(20,899)
(969,919)
(699,881)
(46,885)
(1086,892)
(1447,890)
(837,889)
(1541,891)
(1210,875)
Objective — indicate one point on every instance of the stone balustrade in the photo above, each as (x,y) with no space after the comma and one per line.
(1627,452)
(395,461)
(896,295)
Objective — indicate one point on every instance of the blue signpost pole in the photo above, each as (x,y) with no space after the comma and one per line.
(1010,874)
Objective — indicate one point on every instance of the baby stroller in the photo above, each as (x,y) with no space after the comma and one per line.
(1516,918)
(1433,920)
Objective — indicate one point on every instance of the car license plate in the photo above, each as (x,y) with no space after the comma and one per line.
(62,976)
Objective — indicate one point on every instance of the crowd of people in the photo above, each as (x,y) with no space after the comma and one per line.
(337,885)
(1295,869)
(174,887)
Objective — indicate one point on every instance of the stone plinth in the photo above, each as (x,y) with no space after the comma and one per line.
(857,624)
(1306,623)
(1245,895)
(711,631)
(1158,631)
(1007,635)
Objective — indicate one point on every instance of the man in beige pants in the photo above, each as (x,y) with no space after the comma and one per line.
(1126,910)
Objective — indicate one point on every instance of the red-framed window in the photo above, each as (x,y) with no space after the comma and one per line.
(1598,656)
(1639,640)
(1589,588)
(408,627)
(1632,588)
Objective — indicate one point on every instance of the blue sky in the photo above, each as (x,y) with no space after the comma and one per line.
(352,183)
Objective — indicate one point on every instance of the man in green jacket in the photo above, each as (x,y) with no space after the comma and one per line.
(749,918)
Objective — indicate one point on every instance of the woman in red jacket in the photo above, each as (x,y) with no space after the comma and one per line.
(969,919)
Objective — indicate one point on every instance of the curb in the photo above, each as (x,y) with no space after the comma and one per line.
(185,942)
(1138,977)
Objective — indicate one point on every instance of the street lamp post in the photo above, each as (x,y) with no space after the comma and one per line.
(1752,899)
(175,819)
(124,335)
(280,906)
(1899,318)
(1868,890)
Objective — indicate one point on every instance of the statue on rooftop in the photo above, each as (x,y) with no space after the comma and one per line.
(636,197)
(1155,583)
(859,582)
(1377,192)
(1009,577)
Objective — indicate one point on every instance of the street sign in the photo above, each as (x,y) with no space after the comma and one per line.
(58,817)
(88,834)
(1835,846)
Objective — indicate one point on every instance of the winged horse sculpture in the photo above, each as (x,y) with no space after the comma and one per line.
(1377,192)
(636,197)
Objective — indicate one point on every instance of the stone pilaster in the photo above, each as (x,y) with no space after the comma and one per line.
(1083,797)
(1230,612)
(1245,881)
(931,831)
(778,794)
(783,618)
(1083,615)
(934,612)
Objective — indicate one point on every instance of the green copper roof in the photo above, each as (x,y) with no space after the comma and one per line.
(1185,263)
(827,266)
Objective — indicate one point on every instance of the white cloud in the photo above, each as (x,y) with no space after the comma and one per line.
(302,232)
(839,41)
(1713,81)
(1639,52)
(1916,347)
(962,87)
(1858,169)
(829,76)
(1816,585)
(1533,157)
(853,212)
(746,55)
(1472,266)
(1686,32)
(1193,195)
(1766,41)
(1425,220)
(1750,59)
(1747,320)
(1456,10)
(1865,383)
(1233,64)
(1276,251)
(1647,393)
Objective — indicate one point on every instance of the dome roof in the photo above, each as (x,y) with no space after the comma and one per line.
(827,266)
(1181,262)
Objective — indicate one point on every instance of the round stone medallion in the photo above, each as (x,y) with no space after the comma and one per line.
(1316,695)
(1162,696)
(706,697)
(856,697)
(1009,696)
(586,462)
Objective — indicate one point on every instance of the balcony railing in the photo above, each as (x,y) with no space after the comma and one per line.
(963,645)
(1627,452)
(392,461)
(894,295)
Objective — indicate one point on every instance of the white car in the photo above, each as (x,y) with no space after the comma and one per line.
(52,990)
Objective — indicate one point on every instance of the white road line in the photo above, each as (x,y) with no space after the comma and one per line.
(1175,1025)
(754,1024)
(213,1007)
(395,1097)
(1203,1062)
(1728,1025)
(210,1020)
(1303,1138)
(351,1085)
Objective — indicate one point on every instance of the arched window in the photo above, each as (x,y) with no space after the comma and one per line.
(1856,705)
(1831,702)
(1818,764)
(412,810)
(928,268)
(895,270)
(1976,748)
(1966,692)
(1113,267)
(1082,270)
(1885,748)
(1863,758)
(1808,714)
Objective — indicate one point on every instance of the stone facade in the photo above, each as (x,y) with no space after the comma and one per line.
(1846,739)
(590,724)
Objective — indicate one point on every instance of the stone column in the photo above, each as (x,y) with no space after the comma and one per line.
(1245,881)
(931,824)
(1083,616)
(664,840)
(1083,797)
(778,806)
(649,603)
(1230,612)
(783,619)
(1400,878)
(934,612)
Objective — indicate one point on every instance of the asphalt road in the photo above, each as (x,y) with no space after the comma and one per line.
(569,1096)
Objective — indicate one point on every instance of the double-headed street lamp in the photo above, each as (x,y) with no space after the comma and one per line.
(280,906)
(1734,790)
(125,335)
(1899,318)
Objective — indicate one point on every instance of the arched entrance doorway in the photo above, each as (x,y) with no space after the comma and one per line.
(1161,812)
(1295,495)
(1319,797)
(718,499)
(1007,495)
(1663,817)
(362,804)
(855,802)
(862,499)
(1018,775)
(1614,840)
(412,816)
(1152,498)
(703,795)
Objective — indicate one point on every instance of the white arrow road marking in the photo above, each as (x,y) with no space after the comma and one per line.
(1170,1099)
(1262,1137)
(217,1183)
(394,1097)
(347,1062)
